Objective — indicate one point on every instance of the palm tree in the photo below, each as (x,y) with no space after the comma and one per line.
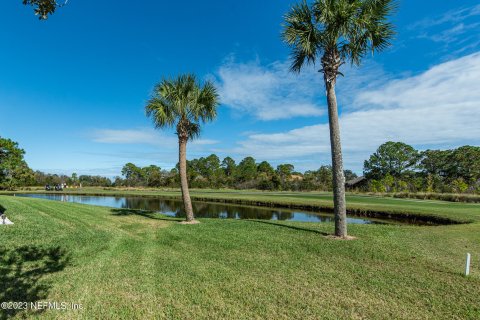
(185,104)
(335,32)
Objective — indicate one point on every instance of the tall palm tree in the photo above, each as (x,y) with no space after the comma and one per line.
(335,32)
(185,104)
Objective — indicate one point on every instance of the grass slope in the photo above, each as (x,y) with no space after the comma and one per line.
(125,264)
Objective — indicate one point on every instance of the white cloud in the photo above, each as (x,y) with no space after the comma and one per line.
(452,16)
(438,107)
(142,136)
(270,92)
(129,136)
(456,28)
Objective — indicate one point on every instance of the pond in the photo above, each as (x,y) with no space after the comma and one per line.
(174,208)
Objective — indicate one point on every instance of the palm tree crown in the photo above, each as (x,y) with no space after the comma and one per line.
(183,102)
(338,31)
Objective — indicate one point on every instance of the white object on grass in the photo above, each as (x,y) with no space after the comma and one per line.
(5,220)
(467,265)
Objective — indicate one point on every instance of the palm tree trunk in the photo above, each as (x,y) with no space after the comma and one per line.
(182,155)
(340,209)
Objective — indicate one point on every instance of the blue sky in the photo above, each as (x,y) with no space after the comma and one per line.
(73,88)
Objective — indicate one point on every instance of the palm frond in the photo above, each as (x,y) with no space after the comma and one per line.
(207,101)
(184,102)
(161,111)
(193,130)
(351,28)
(302,34)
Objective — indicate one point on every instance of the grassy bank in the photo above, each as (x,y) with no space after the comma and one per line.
(452,197)
(125,264)
(441,212)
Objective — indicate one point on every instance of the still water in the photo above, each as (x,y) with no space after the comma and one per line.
(174,208)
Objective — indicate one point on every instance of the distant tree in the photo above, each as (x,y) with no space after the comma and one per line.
(284,172)
(228,165)
(118,182)
(22,175)
(210,168)
(435,162)
(185,104)
(324,178)
(152,176)
(393,158)
(349,175)
(229,168)
(14,171)
(246,170)
(266,176)
(134,175)
(435,168)
(265,167)
(334,32)
(465,164)
(74,178)
(94,181)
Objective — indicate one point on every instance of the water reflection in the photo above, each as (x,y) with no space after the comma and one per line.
(174,208)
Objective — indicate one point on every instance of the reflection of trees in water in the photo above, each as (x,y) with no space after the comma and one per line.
(201,209)
(205,209)
(219,210)
(213,210)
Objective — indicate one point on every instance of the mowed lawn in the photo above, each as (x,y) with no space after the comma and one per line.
(126,264)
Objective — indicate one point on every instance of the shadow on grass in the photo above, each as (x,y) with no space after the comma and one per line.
(290,227)
(22,271)
(144,213)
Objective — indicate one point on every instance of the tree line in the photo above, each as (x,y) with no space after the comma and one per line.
(211,172)
(398,167)
(394,167)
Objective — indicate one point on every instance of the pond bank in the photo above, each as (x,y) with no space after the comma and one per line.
(415,211)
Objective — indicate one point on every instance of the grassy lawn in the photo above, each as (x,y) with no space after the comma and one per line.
(126,264)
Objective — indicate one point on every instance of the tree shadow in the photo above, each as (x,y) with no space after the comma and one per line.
(290,227)
(144,213)
(22,271)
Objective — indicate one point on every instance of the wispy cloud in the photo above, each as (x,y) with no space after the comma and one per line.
(129,136)
(457,27)
(451,16)
(439,107)
(144,136)
(270,92)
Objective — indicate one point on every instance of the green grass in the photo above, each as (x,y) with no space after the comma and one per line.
(125,264)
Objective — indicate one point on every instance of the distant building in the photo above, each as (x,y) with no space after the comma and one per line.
(357,183)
